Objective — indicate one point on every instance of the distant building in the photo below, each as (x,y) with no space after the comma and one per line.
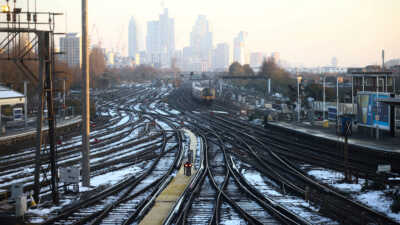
(276,57)
(221,57)
(71,46)
(132,39)
(160,40)
(110,59)
(334,62)
(143,57)
(256,59)
(239,48)
(187,53)
(137,59)
(201,41)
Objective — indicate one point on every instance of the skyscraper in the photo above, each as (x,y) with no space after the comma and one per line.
(334,62)
(256,59)
(201,40)
(239,48)
(132,39)
(72,48)
(160,40)
(221,57)
(276,57)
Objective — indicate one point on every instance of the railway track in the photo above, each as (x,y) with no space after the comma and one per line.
(117,204)
(337,206)
(245,174)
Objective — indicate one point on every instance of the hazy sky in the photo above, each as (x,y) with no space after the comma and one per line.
(308,32)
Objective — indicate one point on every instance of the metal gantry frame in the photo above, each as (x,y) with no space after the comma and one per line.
(14,23)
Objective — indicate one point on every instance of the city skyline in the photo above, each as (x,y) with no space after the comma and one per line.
(306,33)
(160,40)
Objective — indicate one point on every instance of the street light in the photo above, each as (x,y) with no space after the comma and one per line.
(338,80)
(298,98)
(5,8)
(324,98)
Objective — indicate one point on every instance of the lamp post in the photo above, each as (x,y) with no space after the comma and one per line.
(323,98)
(338,80)
(298,98)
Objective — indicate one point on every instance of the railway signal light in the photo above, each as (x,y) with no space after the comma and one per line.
(188,169)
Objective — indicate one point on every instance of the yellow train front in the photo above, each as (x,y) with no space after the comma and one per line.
(203,92)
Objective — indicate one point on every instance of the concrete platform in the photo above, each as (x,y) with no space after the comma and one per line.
(30,131)
(166,200)
(389,144)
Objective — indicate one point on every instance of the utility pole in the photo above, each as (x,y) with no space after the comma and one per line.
(26,103)
(85,97)
(323,98)
(63,106)
(298,98)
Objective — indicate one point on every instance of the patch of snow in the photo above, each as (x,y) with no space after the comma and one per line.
(124,120)
(220,112)
(379,202)
(231,222)
(46,211)
(173,111)
(374,199)
(348,187)
(115,176)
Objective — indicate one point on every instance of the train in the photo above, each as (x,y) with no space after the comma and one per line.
(203,92)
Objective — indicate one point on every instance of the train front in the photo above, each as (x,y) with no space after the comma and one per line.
(208,94)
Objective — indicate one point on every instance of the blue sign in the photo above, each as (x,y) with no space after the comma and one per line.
(372,113)
(332,113)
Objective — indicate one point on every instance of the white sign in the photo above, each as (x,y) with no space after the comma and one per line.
(17,189)
(384,168)
(69,175)
(18,114)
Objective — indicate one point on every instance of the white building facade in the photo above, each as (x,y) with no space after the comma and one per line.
(71,46)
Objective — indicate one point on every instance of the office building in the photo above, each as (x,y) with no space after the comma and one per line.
(160,40)
(239,48)
(276,57)
(71,46)
(221,57)
(133,48)
(201,41)
(256,59)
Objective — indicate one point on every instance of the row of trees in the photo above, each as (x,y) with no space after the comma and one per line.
(280,79)
(285,83)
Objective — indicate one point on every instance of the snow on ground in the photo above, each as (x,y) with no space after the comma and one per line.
(231,222)
(293,203)
(378,201)
(374,199)
(124,120)
(115,176)
(44,212)
(161,112)
(220,112)
(163,125)
(137,107)
(173,111)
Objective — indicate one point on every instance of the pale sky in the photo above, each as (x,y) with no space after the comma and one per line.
(307,32)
